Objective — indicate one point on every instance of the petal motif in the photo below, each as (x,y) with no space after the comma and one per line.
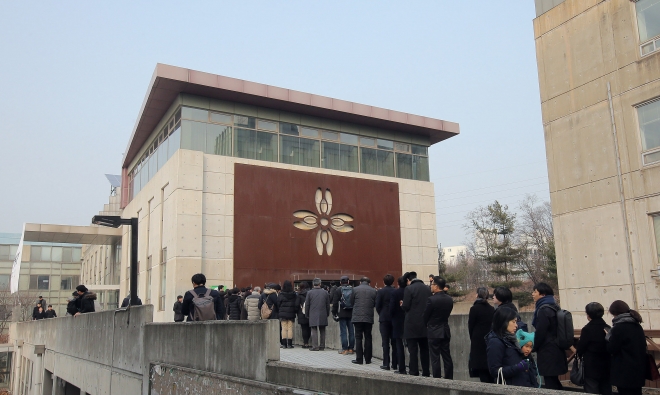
(328,199)
(317,199)
(329,245)
(304,226)
(343,228)
(319,243)
(303,213)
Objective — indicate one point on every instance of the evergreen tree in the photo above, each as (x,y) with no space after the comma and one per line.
(452,279)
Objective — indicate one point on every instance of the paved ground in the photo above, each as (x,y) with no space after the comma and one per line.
(328,359)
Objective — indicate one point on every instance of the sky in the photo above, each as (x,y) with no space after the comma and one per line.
(73,76)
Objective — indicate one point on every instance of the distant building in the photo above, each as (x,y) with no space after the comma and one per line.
(453,253)
(599,78)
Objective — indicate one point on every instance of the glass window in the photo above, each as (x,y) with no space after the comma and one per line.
(266,146)
(420,150)
(35,254)
(267,125)
(404,166)
(310,152)
(163,286)
(195,114)
(68,282)
(648,18)
(177,116)
(242,120)
(153,165)
(330,135)
(76,254)
(144,174)
(4,252)
(385,144)
(307,132)
(420,168)
(367,142)
(368,162)
(218,140)
(193,136)
(245,143)
(57,254)
(162,154)
(39,282)
(289,150)
(330,156)
(288,128)
(12,251)
(148,292)
(66,254)
(402,147)
(386,163)
(656,228)
(349,138)
(45,253)
(348,156)
(649,124)
(174,142)
(4,281)
(652,157)
(220,118)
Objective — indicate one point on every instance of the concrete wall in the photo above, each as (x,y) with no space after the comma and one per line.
(582,45)
(187,207)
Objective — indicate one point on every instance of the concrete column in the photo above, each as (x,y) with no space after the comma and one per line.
(18,361)
(49,383)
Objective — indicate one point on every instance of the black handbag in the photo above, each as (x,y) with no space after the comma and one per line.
(577,371)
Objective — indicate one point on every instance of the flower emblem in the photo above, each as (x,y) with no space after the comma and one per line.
(323,221)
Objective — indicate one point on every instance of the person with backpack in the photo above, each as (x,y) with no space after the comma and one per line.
(71,308)
(626,343)
(287,310)
(342,311)
(550,340)
(592,348)
(201,303)
(268,303)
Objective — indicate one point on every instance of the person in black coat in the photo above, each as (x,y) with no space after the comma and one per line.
(127,301)
(592,348)
(50,313)
(414,329)
(551,358)
(270,297)
(503,298)
(505,358)
(398,317)
(85,300)
(40,314)
(303,321)
(479,323)
(436,318)
(343,316)
(626,343)
(199,287)
(287,308)
(178,315)
(383,297)
(35,311)
(234,304)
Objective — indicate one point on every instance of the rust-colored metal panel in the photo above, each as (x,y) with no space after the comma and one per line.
(364,241)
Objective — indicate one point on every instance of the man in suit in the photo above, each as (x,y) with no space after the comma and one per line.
(436,319)
(385,322)
(415,296)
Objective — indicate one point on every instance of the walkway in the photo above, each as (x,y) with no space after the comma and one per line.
(330,359)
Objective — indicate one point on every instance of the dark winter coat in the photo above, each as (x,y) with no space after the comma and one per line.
(627,345)
(71,308)
(593,348)
(436,315)
(187,305)
(551,358)
(521,325)
(178,315)
(383,297)
(300,301)
(480,320)
(317,307)
(363,301)
(501,353)
(414,304)
(397,313)
(50,314)
(270,297)
(35,311)
(234,307)
(39,316)
(244,313)
(85,302)
(287,306)
(336,310)
(127,301)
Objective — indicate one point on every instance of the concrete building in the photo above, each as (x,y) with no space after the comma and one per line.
(453,253)
(599,78)
(51,270)
(251,183)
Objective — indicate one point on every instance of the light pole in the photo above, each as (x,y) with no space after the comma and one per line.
(114,221)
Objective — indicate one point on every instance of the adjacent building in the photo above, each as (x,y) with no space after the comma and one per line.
(599,78)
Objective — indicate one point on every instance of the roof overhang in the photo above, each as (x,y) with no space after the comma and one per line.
(68,234)
(168,82)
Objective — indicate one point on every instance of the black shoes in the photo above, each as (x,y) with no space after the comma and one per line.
(385,367)
(289,343)
(355,361)
(313,349)
(399,372)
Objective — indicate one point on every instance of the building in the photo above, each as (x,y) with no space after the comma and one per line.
(453,253)
(51,270)
(599,78)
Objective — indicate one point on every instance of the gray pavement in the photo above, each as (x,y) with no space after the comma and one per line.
(329,359)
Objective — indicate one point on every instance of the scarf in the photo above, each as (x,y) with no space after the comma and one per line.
(620,319)
(548,299)
(480,301)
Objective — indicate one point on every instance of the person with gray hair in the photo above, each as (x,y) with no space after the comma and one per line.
(479,323)
(317,310)
(363,300)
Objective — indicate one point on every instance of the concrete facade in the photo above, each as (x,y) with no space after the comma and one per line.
(603,196)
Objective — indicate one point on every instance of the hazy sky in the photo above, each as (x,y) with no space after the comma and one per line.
(74,74)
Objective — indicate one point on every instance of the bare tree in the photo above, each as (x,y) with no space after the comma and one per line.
(536,236)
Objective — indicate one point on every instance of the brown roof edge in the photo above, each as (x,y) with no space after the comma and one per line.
(168,81)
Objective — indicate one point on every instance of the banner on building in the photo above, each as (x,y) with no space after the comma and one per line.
(16,267)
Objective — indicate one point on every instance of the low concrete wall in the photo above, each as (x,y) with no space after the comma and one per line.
(234,348)
(460,341)
(174,380)
(367,383)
